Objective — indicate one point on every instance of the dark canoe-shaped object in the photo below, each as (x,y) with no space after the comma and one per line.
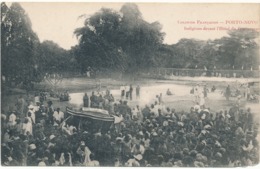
(92,113)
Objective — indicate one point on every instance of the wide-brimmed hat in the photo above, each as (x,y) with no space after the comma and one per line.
(178,163)
(180,123)
(206,110)
(52,137)
(30,106)
(141,133)
(207,126)
(155,134)
(204,131)
(119,139)
(217,144)
(218,155)
(138,157)
(32,146)
(82,143)
(55,124)
(193,152)
(198,164)
(185,150)
(41,163)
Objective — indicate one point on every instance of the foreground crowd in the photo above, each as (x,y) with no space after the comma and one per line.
(36,134)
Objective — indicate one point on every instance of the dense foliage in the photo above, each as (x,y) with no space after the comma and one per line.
(235,51)
(18,44)
(117,41)
(24,59)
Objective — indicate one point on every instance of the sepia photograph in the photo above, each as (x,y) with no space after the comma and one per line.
(130,84)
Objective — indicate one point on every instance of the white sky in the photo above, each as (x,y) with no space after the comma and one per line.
(57,21)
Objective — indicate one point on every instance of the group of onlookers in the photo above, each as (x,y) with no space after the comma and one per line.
(37,134)
(127,92)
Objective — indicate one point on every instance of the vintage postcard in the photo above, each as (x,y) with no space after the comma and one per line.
(130,84)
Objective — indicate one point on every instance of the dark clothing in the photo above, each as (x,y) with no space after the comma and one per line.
(122,93)
(93,101)
(146,112)
(50,114)
(205,92)
(86,101)
(137,91)
(127,94)
(131,92)
(228,93)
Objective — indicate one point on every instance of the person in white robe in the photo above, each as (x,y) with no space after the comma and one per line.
(27,127)
(58,116)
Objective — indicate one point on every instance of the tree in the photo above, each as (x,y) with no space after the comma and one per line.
(187,53)
(18,44)
(246,50)
(139,39)
(237,50)
(98,42)
(53,58)
(117,41)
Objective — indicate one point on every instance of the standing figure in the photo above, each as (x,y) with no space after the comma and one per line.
(205,91)
(213,88)
(21,108)
(98,85)
(238,102)
(248,93)
(131,92)
(58,116)
(201,100)
(92,100)
(84,153)
(196,93)
(27,127)
(137,92)
(160,99)
(228,92)
(32,112)
(122,89)
(12,119)
(85,100)
(127,90)
(50,111)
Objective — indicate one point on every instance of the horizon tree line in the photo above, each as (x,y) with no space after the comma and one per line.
(119,41)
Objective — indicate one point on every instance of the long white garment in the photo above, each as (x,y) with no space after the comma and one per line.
(93,163)
(134,114)
(118,119)
(37,99)
(32,115)
(131,163)
(202,101)
(12,119)
(58,116)
(87,154)
(27,127)
(156,107)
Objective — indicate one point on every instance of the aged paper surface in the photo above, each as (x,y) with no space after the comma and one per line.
(117,84)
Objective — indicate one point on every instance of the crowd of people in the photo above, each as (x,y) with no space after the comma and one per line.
(99,100)
(200,93)
(127,92)
(37,134)
(241,91)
